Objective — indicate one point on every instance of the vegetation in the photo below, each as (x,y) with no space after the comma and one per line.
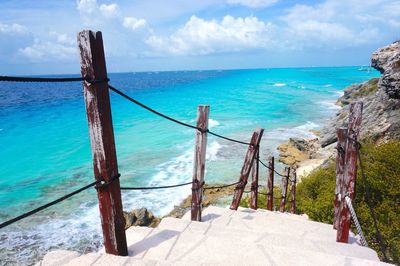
(262,199)
(381,163)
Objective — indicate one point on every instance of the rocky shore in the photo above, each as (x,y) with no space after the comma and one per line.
(381,115)
(381,122)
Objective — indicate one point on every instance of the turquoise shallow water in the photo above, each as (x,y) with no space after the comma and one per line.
(45,150)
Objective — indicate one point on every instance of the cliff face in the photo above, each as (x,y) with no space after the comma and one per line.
(381,98)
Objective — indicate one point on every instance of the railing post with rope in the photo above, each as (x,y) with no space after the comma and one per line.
(293,191)
(285,180)
(340,147)
(98,110)
(248,162)
(199,161)
(270,185)
(254,182)
(350,171)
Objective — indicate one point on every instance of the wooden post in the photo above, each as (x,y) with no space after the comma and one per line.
(270,185)
(199,161)
(350,171)
(340,147)
(97,100)
(293,191)
(284,189)
(254,183)
(248,162)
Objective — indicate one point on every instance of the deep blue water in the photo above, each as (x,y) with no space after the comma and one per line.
(45,149)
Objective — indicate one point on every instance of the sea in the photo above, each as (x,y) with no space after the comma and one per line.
(45,148)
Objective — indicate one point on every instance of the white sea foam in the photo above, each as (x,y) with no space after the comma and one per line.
(330,105)
(340,93)
(280,135)
(212,123)
(328,85)
(279,84)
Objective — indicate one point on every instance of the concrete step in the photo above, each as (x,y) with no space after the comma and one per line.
(194,249)
(269,239)
(271,222)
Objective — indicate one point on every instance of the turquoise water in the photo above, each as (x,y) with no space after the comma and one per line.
(45,149)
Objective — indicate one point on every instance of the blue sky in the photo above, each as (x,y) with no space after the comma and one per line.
(39,37)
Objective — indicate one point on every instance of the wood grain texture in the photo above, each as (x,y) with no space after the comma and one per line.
(350,171)
(247,165)
(98,110)
(340,149)
(199,162)
(284,189)
(293,191)
(270,184)
(254,183)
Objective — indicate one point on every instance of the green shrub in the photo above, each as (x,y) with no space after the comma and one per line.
(315,195)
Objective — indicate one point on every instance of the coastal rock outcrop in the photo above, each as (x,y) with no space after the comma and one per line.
(140,217)
(381,98)
(387,61)
(297,150)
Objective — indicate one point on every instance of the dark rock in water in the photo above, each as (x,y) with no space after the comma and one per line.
(381,114)
(140,217)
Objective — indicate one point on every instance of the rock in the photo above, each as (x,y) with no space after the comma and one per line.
(381,113)
(297,150)
(387,61)
(140,217)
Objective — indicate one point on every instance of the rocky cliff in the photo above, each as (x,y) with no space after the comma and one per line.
(381,98)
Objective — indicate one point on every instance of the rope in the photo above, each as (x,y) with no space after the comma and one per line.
(224,186)
(30,79)
(160,187)
(45,206)
(368,200)
(229,139)
(356,222)
(173,119)
(266,166)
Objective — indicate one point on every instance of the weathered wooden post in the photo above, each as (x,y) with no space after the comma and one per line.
(350,171)
(284,189)
(199,161)
(254,182)
(97,100)
(270,185)
(340,147)
(248,162)
(293,191)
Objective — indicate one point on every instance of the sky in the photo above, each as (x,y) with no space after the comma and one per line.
(39,37)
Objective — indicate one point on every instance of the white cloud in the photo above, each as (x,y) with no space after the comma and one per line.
(253,3)
(13,28)
(59,47)
(110,10)
(199,36)
(133,23)
(90,10)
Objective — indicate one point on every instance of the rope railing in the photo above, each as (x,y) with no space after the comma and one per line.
(381,242)
(356,222)
(45,206)
(41,79)
(129,98)
(266,166)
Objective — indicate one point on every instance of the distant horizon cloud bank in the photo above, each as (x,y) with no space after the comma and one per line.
(211,34)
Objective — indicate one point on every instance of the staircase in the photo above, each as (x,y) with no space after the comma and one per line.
(227,237)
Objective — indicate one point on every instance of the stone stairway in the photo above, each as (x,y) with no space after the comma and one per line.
(226,237)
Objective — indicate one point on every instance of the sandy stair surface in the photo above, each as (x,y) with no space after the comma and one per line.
(226,237)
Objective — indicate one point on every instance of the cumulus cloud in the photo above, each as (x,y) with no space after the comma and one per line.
(109,10)
(59,46)
(253,3)
(90,10)
(13,28)
(199,36)
(133,23)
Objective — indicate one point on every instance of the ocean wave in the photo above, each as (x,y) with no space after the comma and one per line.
(330,105)
(280,135)
(279,84)
(212,123)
